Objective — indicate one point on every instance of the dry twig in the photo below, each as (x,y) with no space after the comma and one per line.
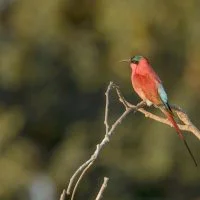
(62,196)
(103,142)
(186,125)
(103,187)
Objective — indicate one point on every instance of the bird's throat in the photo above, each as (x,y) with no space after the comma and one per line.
(134,68)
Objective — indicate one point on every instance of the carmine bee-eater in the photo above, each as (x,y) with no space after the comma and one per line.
(148,86)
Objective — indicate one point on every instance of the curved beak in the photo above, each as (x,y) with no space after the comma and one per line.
(126,60)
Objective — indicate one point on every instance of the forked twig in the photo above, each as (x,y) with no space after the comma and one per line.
(105,140)
(80,177)
(186,125)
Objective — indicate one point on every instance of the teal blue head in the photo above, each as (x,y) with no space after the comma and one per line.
(136,59)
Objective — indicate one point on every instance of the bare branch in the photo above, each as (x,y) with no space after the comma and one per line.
(103,187)
(106,110)
(63,195)
(81,176)
(106,138)
(72,179)
(186,126)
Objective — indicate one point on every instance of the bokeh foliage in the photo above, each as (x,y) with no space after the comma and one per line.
(57,58)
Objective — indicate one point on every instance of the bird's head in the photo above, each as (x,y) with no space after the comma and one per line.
(135,60)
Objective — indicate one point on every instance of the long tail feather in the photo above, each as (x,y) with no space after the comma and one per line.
(171,119)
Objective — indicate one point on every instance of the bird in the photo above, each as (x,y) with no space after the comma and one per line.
(150,89)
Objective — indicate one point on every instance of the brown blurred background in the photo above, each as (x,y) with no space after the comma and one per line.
(56,60)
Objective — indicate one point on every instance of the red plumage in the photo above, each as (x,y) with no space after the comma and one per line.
(148,86)
(145,81)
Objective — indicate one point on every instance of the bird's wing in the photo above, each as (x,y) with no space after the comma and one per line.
(163,97)
(146,86)
(162,93)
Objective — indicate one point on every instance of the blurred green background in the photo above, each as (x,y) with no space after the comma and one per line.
(56,60)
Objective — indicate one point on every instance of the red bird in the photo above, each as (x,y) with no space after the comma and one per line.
(148,86)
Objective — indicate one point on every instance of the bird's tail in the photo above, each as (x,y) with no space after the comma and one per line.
(170,117)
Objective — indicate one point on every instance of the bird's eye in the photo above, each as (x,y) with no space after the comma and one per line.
(135,61)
